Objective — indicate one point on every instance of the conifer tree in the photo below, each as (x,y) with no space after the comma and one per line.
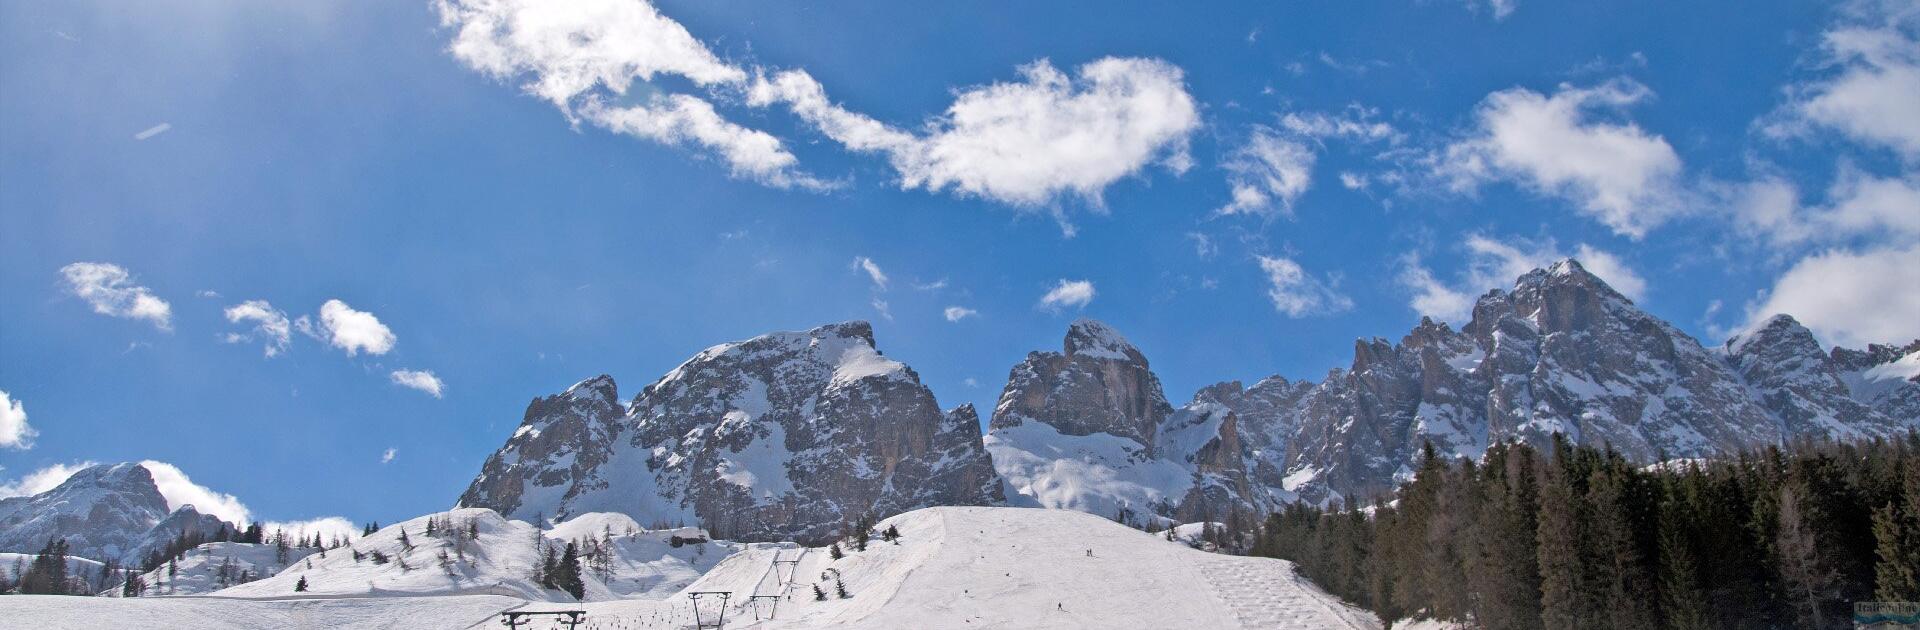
(569,573)
(833,551)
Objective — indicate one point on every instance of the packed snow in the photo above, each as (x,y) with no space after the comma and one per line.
(952,567)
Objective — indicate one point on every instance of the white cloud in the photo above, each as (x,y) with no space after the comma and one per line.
(1499,8)
(1615,172)
(387,457)
(1871,95)
(1267,175)
(957,313)
(14,430)
(153,131)
(180,490)
(873,271)
(583,57)
(1075,293)
(1027,143)
(678,120)
(1297,293)
(1850,298)
(1859,205)
(880,306)
(328,527)
(41,480)
(1203,245)
(353,331)
(422,380)
(270,325)
(1495,264)
(110,290)
(1354,123)
(971,382)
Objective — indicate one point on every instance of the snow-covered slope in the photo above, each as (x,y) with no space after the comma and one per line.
(955,567)
(977,567)
(786,435)
(499,562)
(217,565)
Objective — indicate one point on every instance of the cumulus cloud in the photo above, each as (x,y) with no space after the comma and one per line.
(1267,175)
(1858,205)
(1026,143)
(1297,293)
(1850,298)
(1492,263)
(957,313)
(1074,293)
(180,490)
(872,270)
(583,57)
(351,330)
(422,380)
(270,325)
(1869,93)
(1615,172)
(328,527)
(41,480)
(16,433)
(110,290)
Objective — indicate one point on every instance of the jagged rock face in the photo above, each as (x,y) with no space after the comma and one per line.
(786,436)
(181,521)
(105,512)
(1801,386)
(1088,428)
(1883,376)
(561,441)
(1560,353)
(1099,384)
(1264,419)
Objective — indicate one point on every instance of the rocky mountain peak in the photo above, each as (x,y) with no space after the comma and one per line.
(784,436)
(599,388)
(105,512)
(1094,339)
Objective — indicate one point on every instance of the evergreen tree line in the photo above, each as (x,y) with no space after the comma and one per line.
(1581,538)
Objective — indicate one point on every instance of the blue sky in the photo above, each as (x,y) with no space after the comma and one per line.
(515,196)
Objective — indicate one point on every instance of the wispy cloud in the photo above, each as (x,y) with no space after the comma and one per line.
(153,131)
(270,325)
(957,313)
(422,380)
(110,290)
(1073,293)
(1297,293)
(872,270)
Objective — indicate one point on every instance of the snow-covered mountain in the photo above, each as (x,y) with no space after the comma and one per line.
(1088,428)
(105,512)
(1561,352)
(786,436)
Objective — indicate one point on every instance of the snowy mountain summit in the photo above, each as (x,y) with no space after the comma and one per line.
(785,436)
(106,512)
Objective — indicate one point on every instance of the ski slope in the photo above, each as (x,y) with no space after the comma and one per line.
(954,567)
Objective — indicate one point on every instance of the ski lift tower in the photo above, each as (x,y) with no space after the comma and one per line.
(719,621)
(764,606)
(784,570)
